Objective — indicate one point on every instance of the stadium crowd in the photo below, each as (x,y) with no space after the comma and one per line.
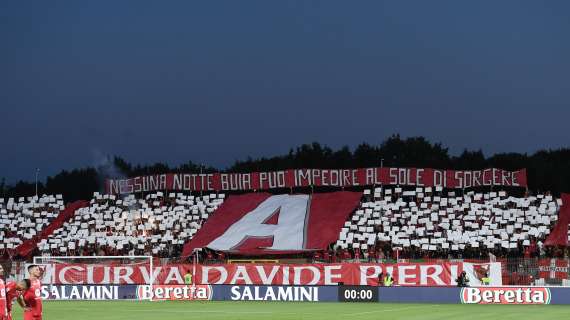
(426,224)
(23,218)
(390,223)
(157,225)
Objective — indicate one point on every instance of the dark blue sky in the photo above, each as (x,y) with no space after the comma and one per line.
(216,81)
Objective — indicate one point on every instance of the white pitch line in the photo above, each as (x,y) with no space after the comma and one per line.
(388,310)
(270,312)
(219,311)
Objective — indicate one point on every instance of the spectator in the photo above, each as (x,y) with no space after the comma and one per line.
(486,280)
(381,279)
(463,280)
(188,278)
(388,280)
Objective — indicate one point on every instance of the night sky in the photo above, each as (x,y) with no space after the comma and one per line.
(217,81)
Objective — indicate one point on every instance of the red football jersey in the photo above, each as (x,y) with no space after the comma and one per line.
(11,294)
(3,310)
(33,298)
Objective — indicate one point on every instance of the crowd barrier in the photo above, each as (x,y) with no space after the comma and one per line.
(469,295)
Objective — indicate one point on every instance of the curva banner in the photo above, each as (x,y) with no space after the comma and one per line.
(405,274)
(506,295)
(417,177)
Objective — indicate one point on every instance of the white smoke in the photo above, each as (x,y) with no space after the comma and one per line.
(106,168)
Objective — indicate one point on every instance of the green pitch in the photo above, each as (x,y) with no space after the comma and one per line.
(115,310)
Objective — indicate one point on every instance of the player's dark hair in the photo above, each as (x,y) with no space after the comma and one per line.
(31,266)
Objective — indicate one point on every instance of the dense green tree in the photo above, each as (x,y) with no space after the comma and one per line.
(548,170)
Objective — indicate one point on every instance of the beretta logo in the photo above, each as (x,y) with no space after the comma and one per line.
(174,292)
(506,295)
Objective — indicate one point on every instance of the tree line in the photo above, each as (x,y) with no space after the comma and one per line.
(547,170)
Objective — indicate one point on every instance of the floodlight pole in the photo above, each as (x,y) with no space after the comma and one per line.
(201,181)
(37,173)
(382,163)
(194,263)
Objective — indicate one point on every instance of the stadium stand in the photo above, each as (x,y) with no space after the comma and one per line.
(157,225)
(390,223)
(22,219)
(425,223)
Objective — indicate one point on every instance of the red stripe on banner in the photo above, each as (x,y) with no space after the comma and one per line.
(559,234)
(232,210)
(328,213)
